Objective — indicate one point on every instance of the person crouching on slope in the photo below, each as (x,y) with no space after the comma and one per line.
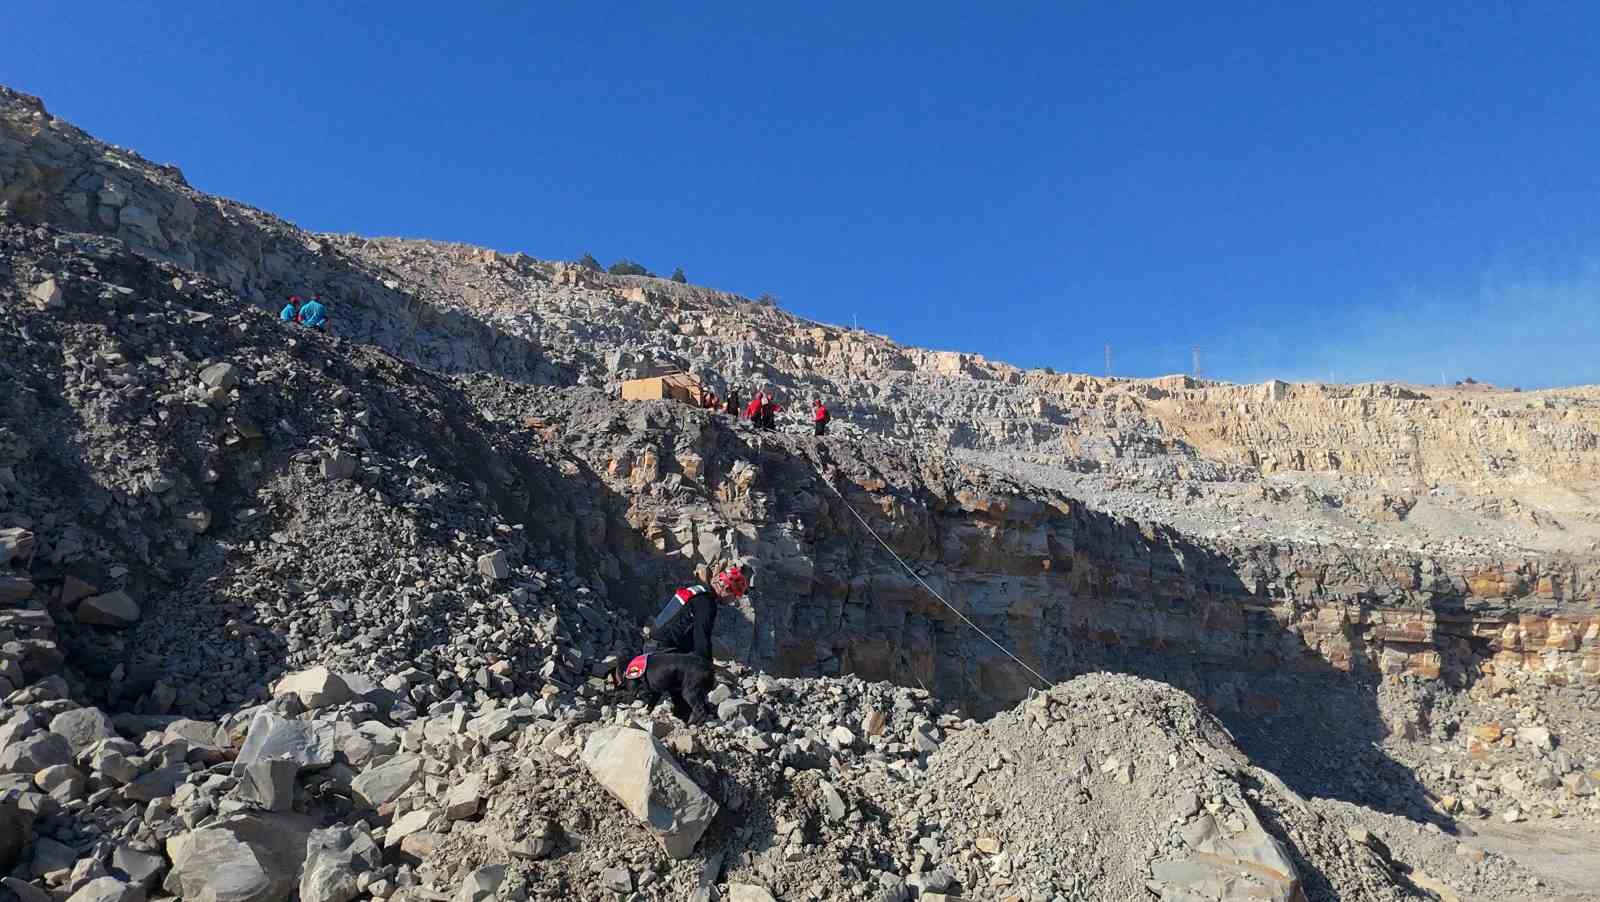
(291,311)
(313,315)
(686,622)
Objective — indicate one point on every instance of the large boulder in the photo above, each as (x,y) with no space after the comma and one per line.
(308,743)
(111,609)
(1250,864)
(494,565)
(378,786)
(200,734)
(269,783)
(334,858)
(18,727)
(242,858)
(641,774)
(134,866)
(35,753)
(317,687)
(82,727)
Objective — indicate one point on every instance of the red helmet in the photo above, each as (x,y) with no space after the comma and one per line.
(733,581)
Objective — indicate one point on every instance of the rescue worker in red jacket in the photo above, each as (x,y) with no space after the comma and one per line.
(752,412)
(769,409)
(819,416)
(687,620)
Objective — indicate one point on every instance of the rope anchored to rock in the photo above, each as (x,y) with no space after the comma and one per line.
(924,583)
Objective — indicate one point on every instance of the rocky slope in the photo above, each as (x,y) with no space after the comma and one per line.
(1382,592)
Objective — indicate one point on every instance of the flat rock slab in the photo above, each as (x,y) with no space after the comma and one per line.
(640,773)
(308,743)
(111,609)
(378,786)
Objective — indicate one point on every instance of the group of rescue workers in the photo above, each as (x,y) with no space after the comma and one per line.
(762,409)
(311,313)
(678,664)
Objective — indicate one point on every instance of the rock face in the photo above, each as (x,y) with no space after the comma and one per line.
(642,775)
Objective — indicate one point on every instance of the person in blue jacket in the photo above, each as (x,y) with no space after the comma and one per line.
(291,310)
(312,314)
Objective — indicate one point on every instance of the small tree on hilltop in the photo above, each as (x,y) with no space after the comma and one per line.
(587,261)
(626,267)
(678,276)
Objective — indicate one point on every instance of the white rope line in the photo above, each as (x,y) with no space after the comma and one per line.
(914,575)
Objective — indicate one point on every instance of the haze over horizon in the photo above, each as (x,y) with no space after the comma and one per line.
(1323,193)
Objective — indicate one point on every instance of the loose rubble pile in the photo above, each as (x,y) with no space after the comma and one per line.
(1528,752)
(802,788)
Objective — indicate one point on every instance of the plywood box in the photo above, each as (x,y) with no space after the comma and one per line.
(673,387)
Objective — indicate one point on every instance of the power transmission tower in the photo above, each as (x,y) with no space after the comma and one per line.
(1195,352)
(1108,361)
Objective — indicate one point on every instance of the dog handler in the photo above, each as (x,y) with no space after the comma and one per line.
(690,614)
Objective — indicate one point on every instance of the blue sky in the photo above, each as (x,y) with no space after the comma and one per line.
(1319,192)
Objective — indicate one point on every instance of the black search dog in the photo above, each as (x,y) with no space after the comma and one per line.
(686,679)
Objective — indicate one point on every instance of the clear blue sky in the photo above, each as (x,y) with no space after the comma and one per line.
(1326,191)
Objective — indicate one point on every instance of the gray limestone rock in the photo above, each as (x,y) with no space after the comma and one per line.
(308,743)
(116,609)
(481,884)
(83,727)
(269,783)
(242,858)
(108,889)
(494,565)
(220,375)
(35,753)
(140,868)
(317,687)
(380,785)
(335,859)
(641,774)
